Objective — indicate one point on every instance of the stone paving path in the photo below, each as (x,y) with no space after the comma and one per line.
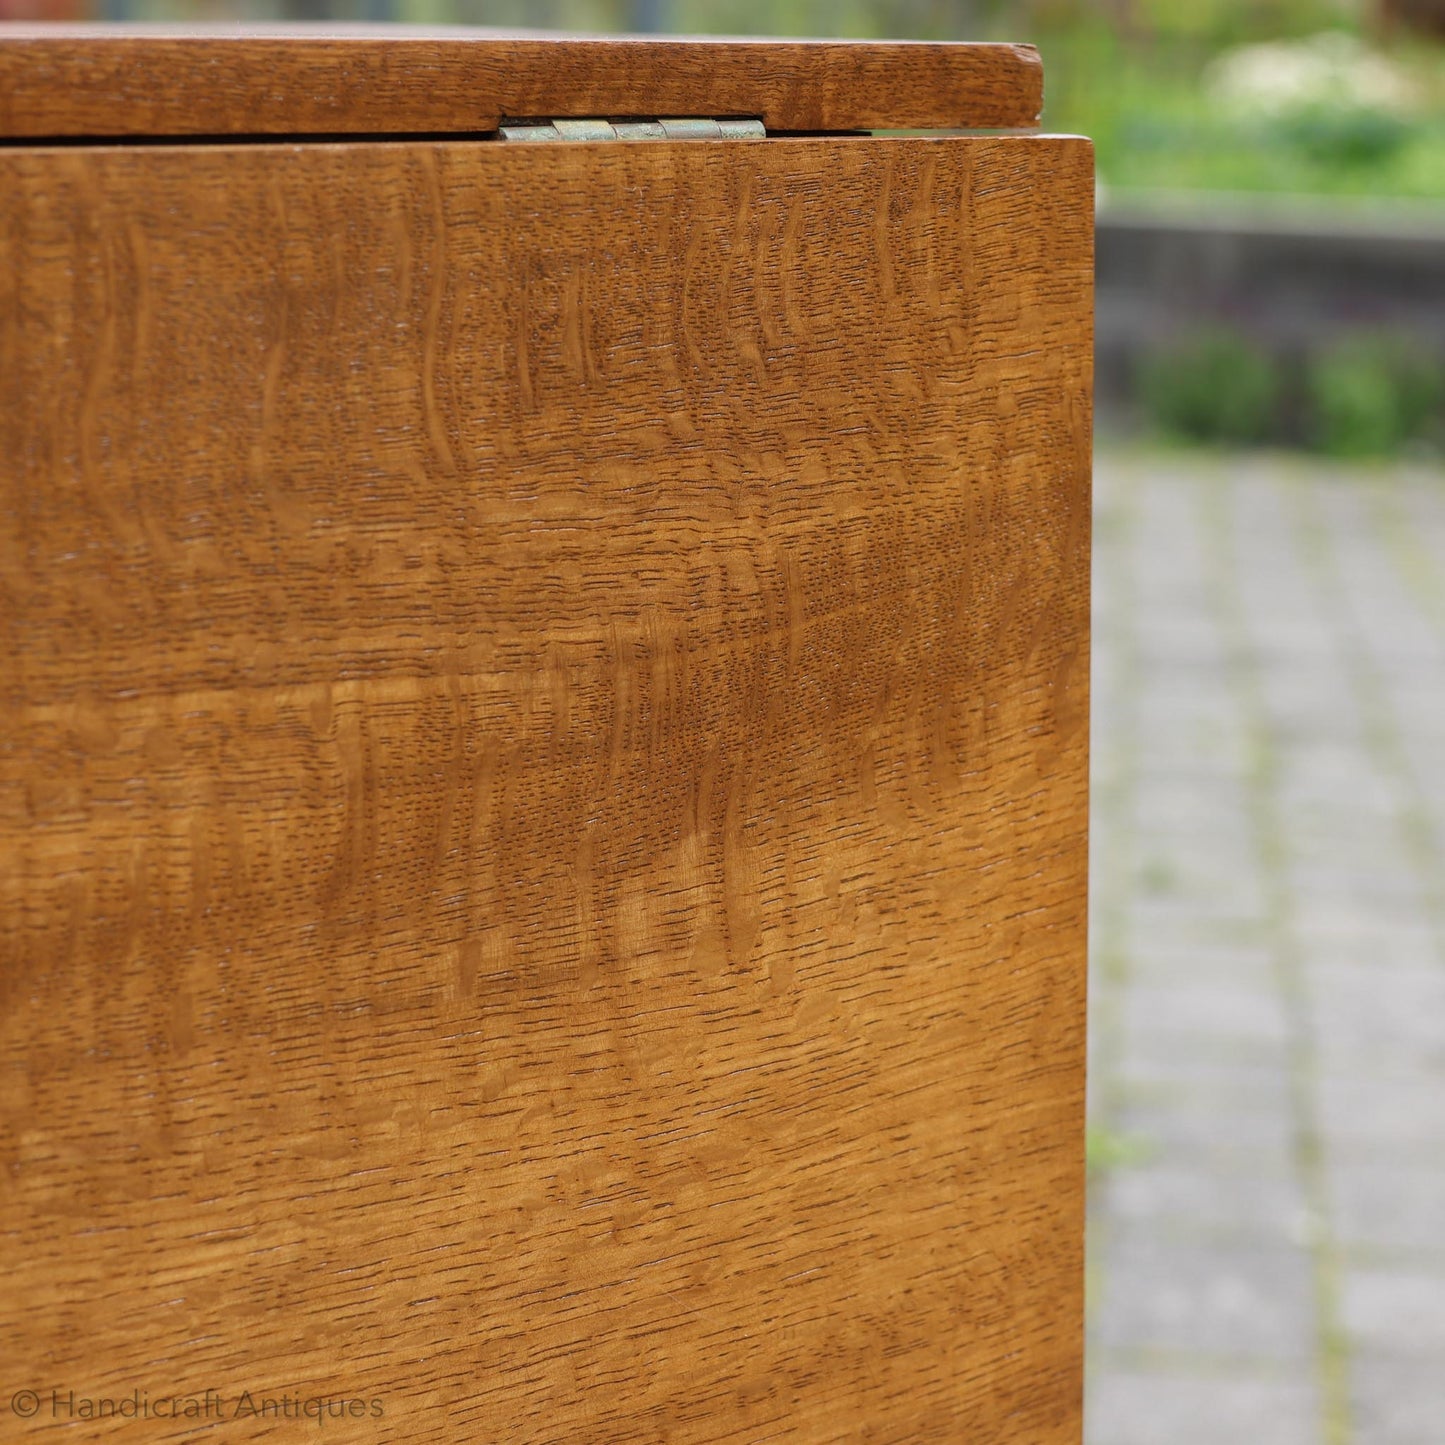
(1267,1231)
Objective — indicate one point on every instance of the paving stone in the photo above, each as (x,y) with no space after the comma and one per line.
(1342,825)
(1189,806)
(1239,1301)
(1155,1069)
(1230,965)
(1194,1131)
(1149,1054)
(1387,1022)
(1220,1095)
(1345,933)
(1400,1312)
(1320,770)
(1374,884)
(1270,748)
(1183,634)
(1419,697)
(1158,1407)
(1152,921)
(1373,1117)
(1200,1008)
(1388,1207)
(1261,1199)
(1397,1402)
(1313,703)
(1200,755)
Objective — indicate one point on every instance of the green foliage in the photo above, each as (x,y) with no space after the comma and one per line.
(1213,386)
(1371,395)
(1106,1149)
(1235,22)
(1146,102)
(1346,136)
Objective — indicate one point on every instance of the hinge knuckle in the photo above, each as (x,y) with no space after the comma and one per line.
(664,128)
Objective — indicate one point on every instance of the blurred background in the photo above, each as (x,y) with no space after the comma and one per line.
(1267,1029)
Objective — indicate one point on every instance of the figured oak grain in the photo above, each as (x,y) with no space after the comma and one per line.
(543,785)
(127,81)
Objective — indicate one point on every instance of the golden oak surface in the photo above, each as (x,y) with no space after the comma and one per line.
(114,80)
(543,786)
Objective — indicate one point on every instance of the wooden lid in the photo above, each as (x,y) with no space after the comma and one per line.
(59,80)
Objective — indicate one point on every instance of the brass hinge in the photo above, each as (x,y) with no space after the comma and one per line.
(690,129)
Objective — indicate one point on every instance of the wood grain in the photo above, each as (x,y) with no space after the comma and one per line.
(98,81)
(543,786)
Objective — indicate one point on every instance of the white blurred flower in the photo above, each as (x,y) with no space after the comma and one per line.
(1333,70)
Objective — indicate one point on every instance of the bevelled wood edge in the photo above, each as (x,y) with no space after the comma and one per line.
(69,81)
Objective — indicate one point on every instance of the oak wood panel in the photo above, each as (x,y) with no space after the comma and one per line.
(113,81)
(543,785)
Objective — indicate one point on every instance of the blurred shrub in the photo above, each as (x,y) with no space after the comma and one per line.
(1323,114)
(1372,395)
(1213,386)
(1329,95)
(1330,71)
(1230,22)
(1366,395)
(1347,136)
(1210,22)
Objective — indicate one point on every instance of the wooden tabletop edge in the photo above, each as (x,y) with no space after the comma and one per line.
(13,32)
(115,80)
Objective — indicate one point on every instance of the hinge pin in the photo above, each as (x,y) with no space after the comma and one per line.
(698,128)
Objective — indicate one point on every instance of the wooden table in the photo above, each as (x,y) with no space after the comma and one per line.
(543,741)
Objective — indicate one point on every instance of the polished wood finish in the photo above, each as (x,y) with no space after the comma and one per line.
(543,787)
(120,81)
